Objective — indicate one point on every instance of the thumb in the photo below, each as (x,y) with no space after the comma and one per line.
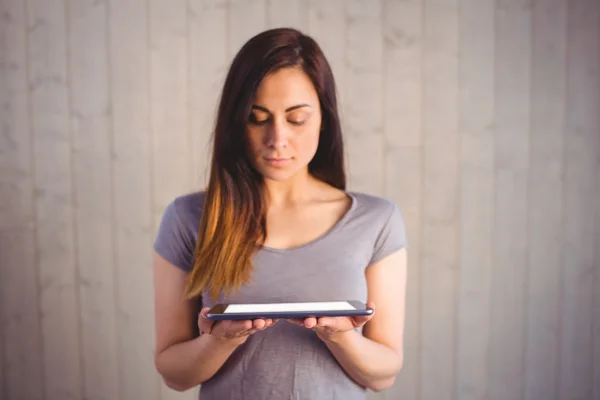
(371,305)
(205,324)
(203,312)
(365,318)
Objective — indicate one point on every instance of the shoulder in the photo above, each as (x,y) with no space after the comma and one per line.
(178,229)
(188,204)
(374,207)
(383,219)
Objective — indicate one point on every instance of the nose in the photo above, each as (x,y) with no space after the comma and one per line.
(277,135)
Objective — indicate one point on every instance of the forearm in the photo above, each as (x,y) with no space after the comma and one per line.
(188,364)
(371,364)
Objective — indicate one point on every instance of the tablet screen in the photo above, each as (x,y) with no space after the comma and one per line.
(278,307)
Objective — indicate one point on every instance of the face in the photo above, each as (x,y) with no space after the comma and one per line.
(283,127)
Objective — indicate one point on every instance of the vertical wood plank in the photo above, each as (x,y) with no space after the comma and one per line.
(246,19)
(546,205)
(93,193)
(596,320)
(3,386)
(440,260)
(403,152)
(131,154)
(21,353)
(23,375)
(327,25)
(363,106)
(580,152)
(168,101)
(511,154)
(288,13)
(596,317)
(208,66)
(476,127)
(49,86)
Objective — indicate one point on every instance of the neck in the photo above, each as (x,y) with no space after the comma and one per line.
(289,192)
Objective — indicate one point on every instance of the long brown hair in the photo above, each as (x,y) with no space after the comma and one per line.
(233,222)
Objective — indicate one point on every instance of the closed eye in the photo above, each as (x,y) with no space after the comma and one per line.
(257,121)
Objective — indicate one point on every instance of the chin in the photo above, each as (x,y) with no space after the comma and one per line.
(277,176)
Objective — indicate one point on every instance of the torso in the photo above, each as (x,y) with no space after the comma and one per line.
(291,227)
(320,254)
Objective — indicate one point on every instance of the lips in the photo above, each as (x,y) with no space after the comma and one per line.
(277,161)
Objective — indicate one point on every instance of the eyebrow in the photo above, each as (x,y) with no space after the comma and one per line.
(257,107)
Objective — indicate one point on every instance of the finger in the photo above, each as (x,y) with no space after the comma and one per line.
(202,315)
(248,332)
(204,324)
(371,304)
(259,324)
(362,319)
(247,324)
(240,325)
(204,311)
(326,321)
(310,322)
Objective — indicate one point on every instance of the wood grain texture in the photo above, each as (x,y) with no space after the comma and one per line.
(3,359)
(580,153)
(477,135)
(21,354)
(479,119)
(132,167)
(363,105)
(168,101)
(287,13)
(546,206)
(596,322)
(327,25)
(208,60)
(90,127)
(441,215)
(56,226)
(246,19)
(403,155)
(511,157)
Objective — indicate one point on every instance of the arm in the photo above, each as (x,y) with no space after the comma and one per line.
(374,358)
(183,359)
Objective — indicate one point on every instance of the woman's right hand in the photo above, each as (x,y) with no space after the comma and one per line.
(231,330)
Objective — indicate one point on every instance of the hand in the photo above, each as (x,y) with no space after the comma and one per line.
(236,331)
(331,328)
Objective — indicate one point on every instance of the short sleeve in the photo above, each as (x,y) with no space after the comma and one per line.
(392,236)
(174,242)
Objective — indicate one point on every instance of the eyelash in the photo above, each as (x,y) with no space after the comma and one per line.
(264,122)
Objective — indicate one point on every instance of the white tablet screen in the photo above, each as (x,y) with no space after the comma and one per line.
(278,307)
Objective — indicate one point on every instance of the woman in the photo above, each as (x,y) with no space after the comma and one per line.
(276,224)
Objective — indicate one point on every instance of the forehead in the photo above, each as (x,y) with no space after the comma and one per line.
(285,88)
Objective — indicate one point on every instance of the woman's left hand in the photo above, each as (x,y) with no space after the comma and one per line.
(328,328)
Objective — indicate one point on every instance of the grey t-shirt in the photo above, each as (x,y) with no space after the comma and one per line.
(287,361)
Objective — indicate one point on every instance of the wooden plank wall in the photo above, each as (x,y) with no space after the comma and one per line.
(479,118)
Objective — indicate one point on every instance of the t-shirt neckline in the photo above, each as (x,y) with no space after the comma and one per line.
(322,237)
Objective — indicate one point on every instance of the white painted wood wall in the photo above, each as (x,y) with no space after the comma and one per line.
(480,118)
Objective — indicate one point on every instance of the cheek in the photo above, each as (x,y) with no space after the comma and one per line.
(253,141)
(309,144)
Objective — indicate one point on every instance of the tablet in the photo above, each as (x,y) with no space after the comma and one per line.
(288,310)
